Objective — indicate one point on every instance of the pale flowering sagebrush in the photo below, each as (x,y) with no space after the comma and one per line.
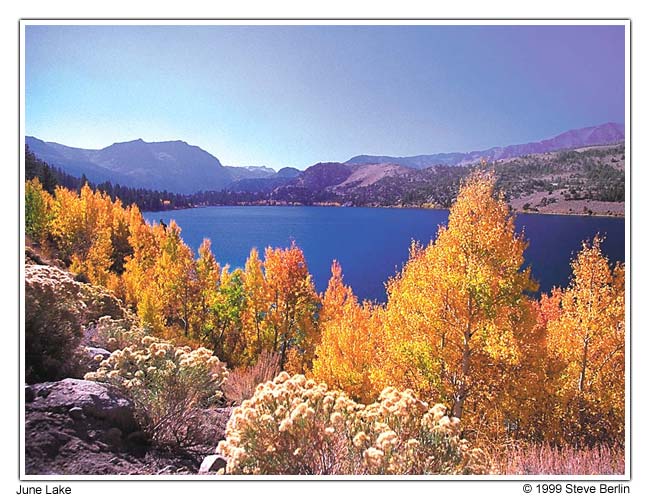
(113,334)
(400,434)
(167,383)
(293,425)
(54,312)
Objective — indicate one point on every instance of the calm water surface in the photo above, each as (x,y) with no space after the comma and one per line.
(373,243)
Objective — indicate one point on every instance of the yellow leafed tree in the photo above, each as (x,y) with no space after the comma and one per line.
(453,322)
(160,277)
(208,274)
(175,277)
(586,335)
(82,228)
(347,349)
(280,307)
(254,312)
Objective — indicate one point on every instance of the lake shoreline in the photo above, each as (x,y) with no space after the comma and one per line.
(396,207)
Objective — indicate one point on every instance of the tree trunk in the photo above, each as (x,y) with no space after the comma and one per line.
(583,366)
(460,398)
(283,352)
(457,410)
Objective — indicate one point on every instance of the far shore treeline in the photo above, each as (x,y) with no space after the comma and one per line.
(576,177)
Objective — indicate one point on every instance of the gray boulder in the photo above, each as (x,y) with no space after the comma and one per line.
(97,400)
(91,361)
(212,463)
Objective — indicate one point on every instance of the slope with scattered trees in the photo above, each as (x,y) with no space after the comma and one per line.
(582,181)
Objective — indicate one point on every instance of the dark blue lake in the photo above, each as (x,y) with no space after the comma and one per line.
(373,243)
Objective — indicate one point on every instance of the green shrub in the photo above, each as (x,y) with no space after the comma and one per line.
(37,210)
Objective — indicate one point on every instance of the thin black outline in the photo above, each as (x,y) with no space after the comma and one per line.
(560,479)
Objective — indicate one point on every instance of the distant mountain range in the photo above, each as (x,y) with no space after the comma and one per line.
(579,180)
(608,133)
(178,167)
(173,166)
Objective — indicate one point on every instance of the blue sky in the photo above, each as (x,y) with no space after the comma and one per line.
(295,95)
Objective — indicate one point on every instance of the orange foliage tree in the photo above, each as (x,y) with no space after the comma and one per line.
(293,302)
(458,321)
(586,337)
(347,349)
(281,307)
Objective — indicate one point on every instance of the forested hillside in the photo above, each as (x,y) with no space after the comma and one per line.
(584,181)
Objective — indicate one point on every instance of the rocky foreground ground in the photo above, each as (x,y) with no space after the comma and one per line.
(87,428)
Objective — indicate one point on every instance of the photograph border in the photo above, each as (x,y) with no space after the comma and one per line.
(300,21)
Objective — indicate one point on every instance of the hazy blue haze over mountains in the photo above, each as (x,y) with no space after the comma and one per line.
(171,165)
(178,167)
(607,133)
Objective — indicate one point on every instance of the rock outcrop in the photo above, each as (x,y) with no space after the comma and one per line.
(94,399)
(83,427)
(76,427)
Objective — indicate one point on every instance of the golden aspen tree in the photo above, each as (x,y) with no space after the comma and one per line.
(226,310)
(95,264)
(292,306)
(120,248)
(346,352)
(411,337)
(81,227)
(68,223)
(151,273)
(586,335)
(139,267)
(255,308)
(208,274)
(120,237)
(336,295)
(150,309)
(515,398)
(453,317)
(175,276)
